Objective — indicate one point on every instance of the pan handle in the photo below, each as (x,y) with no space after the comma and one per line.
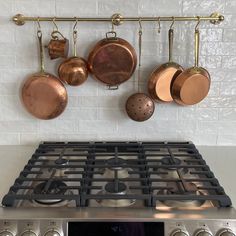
(39,34)
(111,33)
(197,43)
(171,38)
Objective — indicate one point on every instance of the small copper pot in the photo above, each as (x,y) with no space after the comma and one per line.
(58,47)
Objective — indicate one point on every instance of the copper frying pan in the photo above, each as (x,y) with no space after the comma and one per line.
(112,60)
(193,85)
(43,94)
(161,78)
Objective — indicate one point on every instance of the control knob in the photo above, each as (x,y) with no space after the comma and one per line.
(203,232)
(29,233)
(226,232)
(52,232)
(6,233)
(179,232)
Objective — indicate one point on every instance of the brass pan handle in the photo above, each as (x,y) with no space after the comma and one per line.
(171,39)
(197,43)
(111,33)
(42,68)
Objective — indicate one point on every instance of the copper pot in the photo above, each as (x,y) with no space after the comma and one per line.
(112,60)
(161,78)
(43,94)
(58,47)
(193,85)
(73,71)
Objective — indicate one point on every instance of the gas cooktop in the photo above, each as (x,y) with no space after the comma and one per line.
(116,174)
(117,188)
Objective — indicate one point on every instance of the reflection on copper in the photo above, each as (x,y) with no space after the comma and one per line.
(112,61)
(44,96)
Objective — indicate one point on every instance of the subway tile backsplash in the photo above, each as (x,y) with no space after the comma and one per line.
(95,113)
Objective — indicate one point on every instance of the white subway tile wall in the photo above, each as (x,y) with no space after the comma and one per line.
(95,113)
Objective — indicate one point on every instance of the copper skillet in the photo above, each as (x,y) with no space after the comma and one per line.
(160,80)
(193,85)
(43,94)
(112,60)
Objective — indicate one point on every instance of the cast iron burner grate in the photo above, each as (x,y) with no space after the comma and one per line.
(80,166)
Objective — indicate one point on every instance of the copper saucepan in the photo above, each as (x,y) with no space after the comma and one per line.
(112,60)
(193,85)
(43,94)
(73,71)
(161,78)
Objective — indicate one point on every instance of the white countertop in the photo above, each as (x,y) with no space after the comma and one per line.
(222,161)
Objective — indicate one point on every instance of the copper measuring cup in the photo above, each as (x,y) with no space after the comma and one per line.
(58,45)
(139,106)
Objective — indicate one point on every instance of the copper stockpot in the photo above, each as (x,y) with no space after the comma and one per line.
(193,85)
(112,60)
(58,47)
(73,71)
(161,78)
(43,94)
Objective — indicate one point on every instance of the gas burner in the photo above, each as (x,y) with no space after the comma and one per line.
(178,189)
(61,161)
(115,188)
(116,168)
(172,171)
(50,187)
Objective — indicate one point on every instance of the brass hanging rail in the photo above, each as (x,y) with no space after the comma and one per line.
(118,19)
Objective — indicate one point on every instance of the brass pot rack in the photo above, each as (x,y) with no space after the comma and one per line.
(118,19)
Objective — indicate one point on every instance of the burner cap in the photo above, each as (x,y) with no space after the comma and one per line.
(115,163)
(54,187)
(113,188)
(61,161)
(170,161)
(192,190)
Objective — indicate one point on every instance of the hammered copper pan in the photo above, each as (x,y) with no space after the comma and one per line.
(43,94)
(193,85)
(161,78)
(73,71)
(112,60)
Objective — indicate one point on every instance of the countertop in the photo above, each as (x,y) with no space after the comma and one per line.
(222,161)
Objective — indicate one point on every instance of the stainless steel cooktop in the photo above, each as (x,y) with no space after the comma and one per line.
(165,182)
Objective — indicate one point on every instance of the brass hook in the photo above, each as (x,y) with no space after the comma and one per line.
(159,24)
(112,26)
(140,25)
(198,22)
(76,22)
(54,22)
(173,21)
(39,31)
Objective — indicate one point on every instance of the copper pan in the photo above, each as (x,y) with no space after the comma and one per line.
(193,85)
(112,60)
(73,71)
(161,78)
(43,94)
